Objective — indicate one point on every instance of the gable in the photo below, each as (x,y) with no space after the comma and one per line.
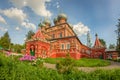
(69,30)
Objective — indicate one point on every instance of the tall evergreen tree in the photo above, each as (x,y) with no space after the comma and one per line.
(118,36)
(29,34)
(5,41)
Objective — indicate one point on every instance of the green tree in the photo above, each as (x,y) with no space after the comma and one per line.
(118,36)
(103,42)
(29,34)
(17,48)
(112,46)
(5,41)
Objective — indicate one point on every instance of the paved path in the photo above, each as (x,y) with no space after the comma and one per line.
(51,66)
(114,65)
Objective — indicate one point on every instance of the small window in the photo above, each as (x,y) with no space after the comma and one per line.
(53,36)
(61,35)
(68,46)
(62,46)
(83,50)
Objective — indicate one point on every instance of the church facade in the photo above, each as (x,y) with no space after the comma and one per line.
(59,40)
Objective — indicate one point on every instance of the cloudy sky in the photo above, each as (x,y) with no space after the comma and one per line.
(97,16)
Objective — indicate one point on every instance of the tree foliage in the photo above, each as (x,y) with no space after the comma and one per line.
(17,48)
(29,34)
(112,46)
(103,42)
(118,36)
(5,41)
(66,66)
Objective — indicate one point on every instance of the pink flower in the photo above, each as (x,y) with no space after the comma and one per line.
(28,58)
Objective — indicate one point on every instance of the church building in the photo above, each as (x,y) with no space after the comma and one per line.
(59,40)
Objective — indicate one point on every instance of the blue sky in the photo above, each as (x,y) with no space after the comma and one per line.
(97,16)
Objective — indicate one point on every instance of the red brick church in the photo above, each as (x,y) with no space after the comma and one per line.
(60,39)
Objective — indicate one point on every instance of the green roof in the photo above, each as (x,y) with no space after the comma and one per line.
(41,24)
(46,21)
(62,15)
(55,19)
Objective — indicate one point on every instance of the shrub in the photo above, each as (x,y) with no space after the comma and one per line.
(12,69)
(65,66)
(38,62)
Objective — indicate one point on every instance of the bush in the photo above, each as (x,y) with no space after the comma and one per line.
(65,66)
(118,60)
(12,69)
(38,62)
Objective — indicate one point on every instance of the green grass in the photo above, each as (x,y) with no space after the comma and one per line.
(91,62)
(84,62)
(53,60)
(13,69)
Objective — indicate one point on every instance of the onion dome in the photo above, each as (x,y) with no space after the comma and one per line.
(62,15)
(46,21)
(41,25)
(55,20)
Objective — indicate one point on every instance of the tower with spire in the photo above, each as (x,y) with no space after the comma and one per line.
(98,49)
(97,43)
(89,44)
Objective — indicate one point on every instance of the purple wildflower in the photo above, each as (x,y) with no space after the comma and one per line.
(27,58)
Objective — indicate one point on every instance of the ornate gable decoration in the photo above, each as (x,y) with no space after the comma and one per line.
(38,35)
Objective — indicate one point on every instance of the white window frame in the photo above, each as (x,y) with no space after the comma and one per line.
(60,35)
(68,46)
(62,46)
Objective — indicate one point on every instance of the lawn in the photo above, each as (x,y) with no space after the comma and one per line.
(84,62)
(13,69)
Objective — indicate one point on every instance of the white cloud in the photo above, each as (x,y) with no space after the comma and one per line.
(2,20)
(38,6)
(19,16)
(14,13)
(24,38)
(29,25)
(17,28)
(80,29)
(3,29)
